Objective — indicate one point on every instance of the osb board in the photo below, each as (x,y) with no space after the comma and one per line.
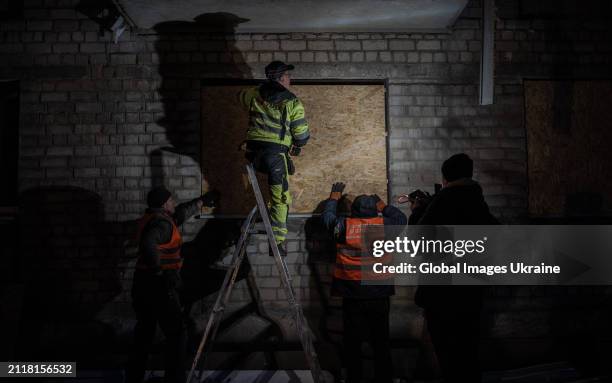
(347,127)
(569,132)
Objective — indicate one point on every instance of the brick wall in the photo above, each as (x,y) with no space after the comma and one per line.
(97,119)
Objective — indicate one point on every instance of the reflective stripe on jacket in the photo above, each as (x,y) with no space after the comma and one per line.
(281,122)
(169,252)
(354,260)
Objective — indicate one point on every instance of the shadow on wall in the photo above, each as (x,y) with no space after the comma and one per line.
(73,265)
(321,250)
(189,52)
(212,243)
(77,276)
(76,299)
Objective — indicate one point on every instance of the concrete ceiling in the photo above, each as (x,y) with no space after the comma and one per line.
(299,15)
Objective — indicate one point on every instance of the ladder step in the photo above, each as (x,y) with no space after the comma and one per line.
(306,339)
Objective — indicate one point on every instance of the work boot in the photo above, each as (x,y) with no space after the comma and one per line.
(282,249)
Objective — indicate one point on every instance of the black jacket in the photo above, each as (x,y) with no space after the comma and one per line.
(274,93)
(460,203)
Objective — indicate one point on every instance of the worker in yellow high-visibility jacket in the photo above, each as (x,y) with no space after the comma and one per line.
(277,130)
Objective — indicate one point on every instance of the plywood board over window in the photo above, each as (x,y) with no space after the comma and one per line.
(348,144)
(569,131)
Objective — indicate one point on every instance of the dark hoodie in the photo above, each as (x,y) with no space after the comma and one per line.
(364,207)
(274,93)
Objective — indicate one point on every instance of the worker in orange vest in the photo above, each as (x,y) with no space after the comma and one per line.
(155,291)
(365,294)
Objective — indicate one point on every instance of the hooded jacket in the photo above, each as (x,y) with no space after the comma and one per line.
(276,117)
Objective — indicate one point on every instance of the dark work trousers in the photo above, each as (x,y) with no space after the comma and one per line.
(155,303)
(367,320)
(455,337)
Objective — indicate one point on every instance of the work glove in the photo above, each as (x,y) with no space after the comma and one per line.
(380,204)
(336,191)
(290,166)
(418,199)
(295,150)
(210,198)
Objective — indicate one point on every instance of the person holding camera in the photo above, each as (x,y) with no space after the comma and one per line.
(453,312)
(365,296)
(157,282)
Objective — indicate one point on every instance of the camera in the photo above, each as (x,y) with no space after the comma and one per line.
(421,196)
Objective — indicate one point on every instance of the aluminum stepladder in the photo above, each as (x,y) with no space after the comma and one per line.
(225,291)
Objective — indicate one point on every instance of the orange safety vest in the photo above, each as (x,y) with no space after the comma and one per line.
(170,252)
(354,261)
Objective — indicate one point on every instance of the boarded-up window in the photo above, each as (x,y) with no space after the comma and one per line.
(347,126)
(569,132)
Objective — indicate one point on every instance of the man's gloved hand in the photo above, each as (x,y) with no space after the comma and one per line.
(295,150)
(419,199)
(336,191)
(210,198)
(380,204)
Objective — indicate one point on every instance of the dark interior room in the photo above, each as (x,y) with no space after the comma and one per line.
(235,191)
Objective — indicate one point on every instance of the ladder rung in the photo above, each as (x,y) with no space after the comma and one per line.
(306,339)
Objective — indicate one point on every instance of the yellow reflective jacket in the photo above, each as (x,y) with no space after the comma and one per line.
(275,115)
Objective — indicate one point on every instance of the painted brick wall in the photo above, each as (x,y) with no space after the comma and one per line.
(103,122)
